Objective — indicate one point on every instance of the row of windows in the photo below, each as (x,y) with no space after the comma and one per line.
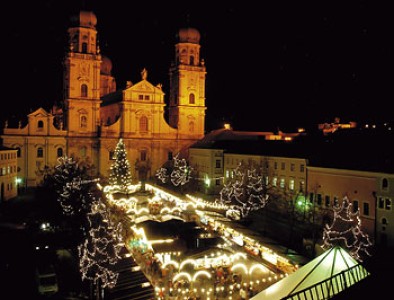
(301,167)
(319,200)
(7,170)
(5,156)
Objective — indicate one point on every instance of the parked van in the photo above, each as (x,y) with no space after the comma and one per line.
(46,279)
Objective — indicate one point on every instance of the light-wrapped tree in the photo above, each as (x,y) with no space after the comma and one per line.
(345,231)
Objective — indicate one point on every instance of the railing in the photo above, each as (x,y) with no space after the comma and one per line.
(330,287)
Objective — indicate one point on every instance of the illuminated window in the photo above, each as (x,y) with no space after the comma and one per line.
(143,124)
(291,184)
(84,90)
(282,183)
(192,99)
(388,204)
(59,152)
(40,152)
(274,181)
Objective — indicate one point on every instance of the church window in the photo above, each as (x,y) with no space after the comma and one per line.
(191,127)
(84,47)
(192,99)
(84,90)
(143,124)
(40,152)
(143,155)
(40,125)
(147,97)
(18,151)
(191,59)
(140,97)
(83,121)
(59,152)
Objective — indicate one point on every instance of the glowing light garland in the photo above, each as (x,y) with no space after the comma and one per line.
(345,231)
(180,173)
(246,192)
(101,249)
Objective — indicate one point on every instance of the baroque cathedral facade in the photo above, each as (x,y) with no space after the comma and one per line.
(94,114)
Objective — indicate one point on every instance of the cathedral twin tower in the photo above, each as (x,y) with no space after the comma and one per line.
(94,114)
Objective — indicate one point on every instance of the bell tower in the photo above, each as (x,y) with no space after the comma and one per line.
(82,76)
(187,86)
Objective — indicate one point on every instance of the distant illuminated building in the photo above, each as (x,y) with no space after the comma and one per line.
(93,115)
(327,128)
(9,182)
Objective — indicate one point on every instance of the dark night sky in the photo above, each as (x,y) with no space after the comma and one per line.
(288,64)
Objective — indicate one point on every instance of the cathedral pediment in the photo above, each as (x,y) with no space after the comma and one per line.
(145,86)
(39,113)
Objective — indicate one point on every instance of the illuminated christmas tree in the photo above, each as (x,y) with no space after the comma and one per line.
(120,174)
(246,191)
(346,232)
(101,249)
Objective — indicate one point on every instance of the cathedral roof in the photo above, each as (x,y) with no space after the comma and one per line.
(189,35)
(84,19)
(106,65)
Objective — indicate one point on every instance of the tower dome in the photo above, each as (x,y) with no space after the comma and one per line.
(84,19)
(189,35)
(106,65)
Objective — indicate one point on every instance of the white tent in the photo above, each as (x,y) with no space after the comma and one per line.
(321,278)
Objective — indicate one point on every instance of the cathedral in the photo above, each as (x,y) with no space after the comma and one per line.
(94,114)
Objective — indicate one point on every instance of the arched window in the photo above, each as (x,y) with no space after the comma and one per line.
(84,47)
(192,99)
(83,122)
(143,124)
(40,125)
(385,184)
(84,90)
(18,151)
(191,59)
(191,126)
(40,152)
(59,152)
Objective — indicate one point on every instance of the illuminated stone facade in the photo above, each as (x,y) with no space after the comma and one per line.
(94,115)
(8,171)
